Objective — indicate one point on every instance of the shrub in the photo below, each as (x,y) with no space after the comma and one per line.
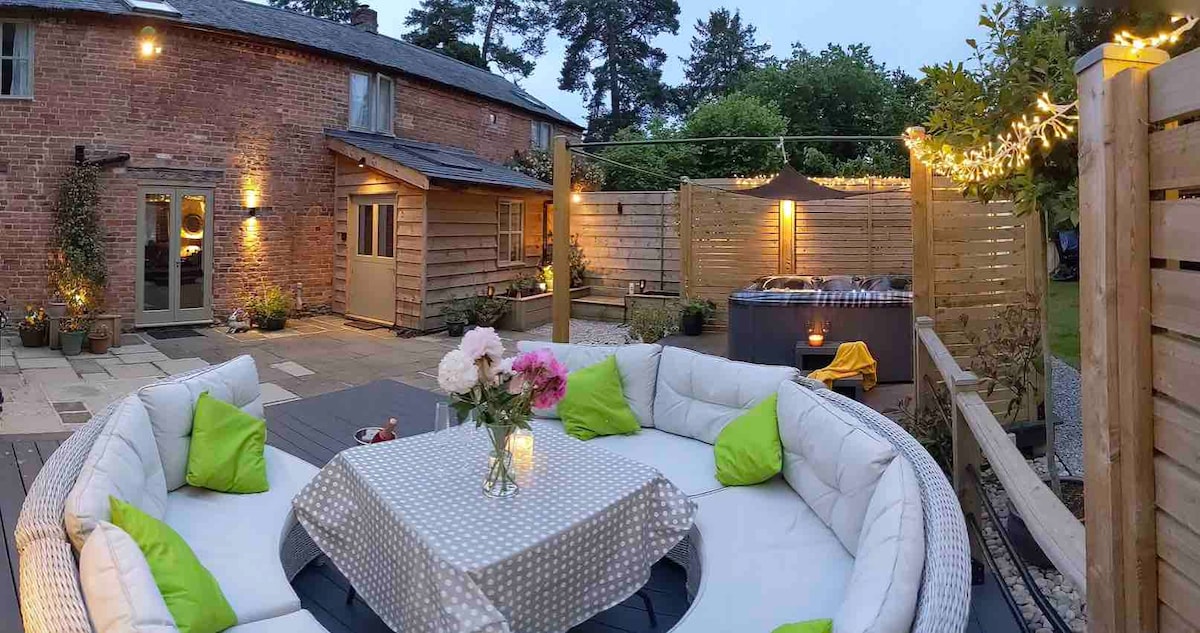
(650,324)
(459,310)
(1008,353)
(931,425)
(271,303)
(488,310)
(578,263)
(703,307)
(78,271)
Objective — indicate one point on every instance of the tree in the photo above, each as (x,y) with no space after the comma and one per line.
(723,53)
(444,26)
(336,10)
(514,33)
(670,160)
(735,115)
(611,60)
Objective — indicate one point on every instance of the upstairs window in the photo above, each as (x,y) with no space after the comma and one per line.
(540,133)
(372,102)
(16,59)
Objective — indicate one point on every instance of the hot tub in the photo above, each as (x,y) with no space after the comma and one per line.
(769,317)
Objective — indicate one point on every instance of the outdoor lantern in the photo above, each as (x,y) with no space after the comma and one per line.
(491,291)
(816,333)
(520,445)
(250,201)
(148,45)
(362,162)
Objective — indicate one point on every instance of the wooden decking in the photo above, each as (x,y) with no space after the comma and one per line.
(315,429)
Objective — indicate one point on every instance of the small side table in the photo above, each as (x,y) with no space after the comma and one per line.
(809,359)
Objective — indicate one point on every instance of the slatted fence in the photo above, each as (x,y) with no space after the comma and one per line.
(628,236)
(1140,338)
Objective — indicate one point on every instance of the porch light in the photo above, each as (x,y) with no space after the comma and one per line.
(362,162)
(148,45)
(787,208)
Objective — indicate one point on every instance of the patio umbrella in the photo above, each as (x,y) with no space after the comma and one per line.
(790,185)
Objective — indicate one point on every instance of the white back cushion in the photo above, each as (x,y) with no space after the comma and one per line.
(698,394)
(171,403)
(118,587)
(638,365)
(831,460)
(882,594)
(123,463)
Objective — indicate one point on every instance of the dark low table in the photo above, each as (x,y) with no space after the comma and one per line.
(810,359)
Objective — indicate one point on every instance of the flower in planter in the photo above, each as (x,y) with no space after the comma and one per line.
(34,321)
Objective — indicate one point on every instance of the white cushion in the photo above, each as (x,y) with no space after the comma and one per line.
(638,365)
(124,463)
(171,402)
(118,587)
(687,463)
(766,560)
(298,622)
(830,459)
(882,594)
(698,394)
(239,537)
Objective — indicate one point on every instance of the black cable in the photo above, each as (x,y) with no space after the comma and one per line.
(739,139)
(1051,613)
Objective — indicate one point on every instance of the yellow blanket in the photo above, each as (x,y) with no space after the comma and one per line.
(851,360)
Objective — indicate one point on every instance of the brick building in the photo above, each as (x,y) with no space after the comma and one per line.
(247,146)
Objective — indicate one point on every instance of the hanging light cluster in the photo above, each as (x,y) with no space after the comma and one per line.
(1010,151)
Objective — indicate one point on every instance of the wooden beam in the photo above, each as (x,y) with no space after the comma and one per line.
(561,302)
(379,163)
(687,277)
(922,232)
(1110,609)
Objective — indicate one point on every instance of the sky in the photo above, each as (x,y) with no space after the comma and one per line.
(906,34)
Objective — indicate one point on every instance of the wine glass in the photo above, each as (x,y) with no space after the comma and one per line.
(441,417)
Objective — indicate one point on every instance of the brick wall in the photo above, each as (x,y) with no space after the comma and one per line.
(212,110)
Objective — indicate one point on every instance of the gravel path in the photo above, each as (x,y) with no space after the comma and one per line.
(587,332)
(1068,444)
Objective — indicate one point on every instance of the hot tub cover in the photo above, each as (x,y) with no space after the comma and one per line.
(843,298)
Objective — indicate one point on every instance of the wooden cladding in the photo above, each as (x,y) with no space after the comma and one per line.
(628,236)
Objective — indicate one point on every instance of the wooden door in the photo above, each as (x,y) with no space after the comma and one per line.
(371,288)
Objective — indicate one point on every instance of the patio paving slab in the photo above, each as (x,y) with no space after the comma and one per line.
(139,348)
(142,357)
(50,375)
(35,352)
(181,365)
(41,362)
(86,367)
(140,370)
(293,368)
(274,394)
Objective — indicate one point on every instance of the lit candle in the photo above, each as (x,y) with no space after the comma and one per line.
(520,444)
(816,339)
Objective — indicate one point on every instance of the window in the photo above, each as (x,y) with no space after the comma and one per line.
(372,102)
(152,6)
(539,135)
(512,232)
(16,59)
(376,230)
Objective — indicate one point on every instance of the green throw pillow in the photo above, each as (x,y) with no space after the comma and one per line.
(226,452)
(748,450)
(192,594)
(595,404)
(808,626)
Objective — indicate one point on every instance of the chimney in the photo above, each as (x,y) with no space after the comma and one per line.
(364,18)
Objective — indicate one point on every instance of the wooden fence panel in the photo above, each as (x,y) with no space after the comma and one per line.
(629,236)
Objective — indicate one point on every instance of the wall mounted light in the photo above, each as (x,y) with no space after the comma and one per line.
(250,200)
(148,43)
(576,198)
(362,162)
(491,291)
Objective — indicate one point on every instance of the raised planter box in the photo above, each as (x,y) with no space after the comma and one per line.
(526,313)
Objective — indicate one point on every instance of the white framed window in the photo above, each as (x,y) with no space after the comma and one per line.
(511,249)
(372,102)
(540,134)
(16,60)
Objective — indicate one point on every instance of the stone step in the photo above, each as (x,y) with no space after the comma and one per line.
(599,308)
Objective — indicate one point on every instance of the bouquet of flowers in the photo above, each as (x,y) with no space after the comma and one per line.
(500,392)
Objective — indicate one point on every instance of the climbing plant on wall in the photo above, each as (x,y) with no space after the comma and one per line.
(78,270)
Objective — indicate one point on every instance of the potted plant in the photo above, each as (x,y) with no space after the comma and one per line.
(693,315)
(99,338)
(457,314)
(33,327)
(489,310)
(269,310)
(71,330)
(56,306)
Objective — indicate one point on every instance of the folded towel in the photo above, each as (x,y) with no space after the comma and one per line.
(851,360)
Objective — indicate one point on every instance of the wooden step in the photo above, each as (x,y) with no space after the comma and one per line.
(599,308)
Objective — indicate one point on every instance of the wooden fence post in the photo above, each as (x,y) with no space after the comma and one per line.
(1113,119)
(922,231)
(561,301)
(686,275)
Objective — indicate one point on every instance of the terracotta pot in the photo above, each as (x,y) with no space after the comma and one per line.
(99,344)
(72,343)
(33,338)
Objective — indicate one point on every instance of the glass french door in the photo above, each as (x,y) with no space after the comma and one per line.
(174,271)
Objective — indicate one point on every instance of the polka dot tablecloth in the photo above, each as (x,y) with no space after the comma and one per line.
(407,522)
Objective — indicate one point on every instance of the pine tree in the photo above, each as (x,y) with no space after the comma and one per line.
(611,60)
(513,32)
(445,26)
(336,10)
(723,51)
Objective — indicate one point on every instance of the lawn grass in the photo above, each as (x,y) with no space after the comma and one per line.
(1063,314)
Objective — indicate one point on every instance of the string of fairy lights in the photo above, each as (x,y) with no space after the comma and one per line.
(1010,150)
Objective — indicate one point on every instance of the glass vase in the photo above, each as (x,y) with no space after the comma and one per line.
(500,481)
